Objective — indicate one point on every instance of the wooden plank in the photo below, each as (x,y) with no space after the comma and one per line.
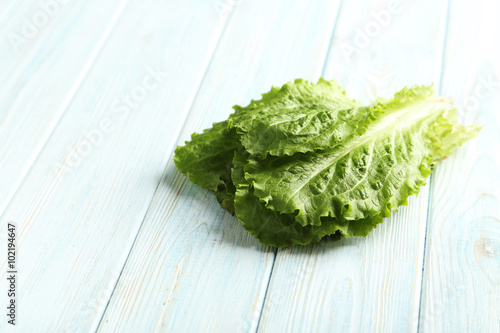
(45,56)
(77,223)
(373,283)
(461,288)
(193,267)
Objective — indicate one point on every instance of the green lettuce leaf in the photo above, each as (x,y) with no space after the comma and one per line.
(273,228)
(207,161)
(305,161)
(300,117)
(367,175)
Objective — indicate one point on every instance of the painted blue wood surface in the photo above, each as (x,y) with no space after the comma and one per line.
(113,238)
(82,203)
(41,68)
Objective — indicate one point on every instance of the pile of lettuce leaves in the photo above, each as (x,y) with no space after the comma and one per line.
(306,161)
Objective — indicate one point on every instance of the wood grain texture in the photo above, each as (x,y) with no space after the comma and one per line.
(461,289)
(193,267)
(42,66)
(372,283)
(78,221)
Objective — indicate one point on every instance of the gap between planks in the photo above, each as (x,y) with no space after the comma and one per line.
(427,217)
(276,250)
(175,139)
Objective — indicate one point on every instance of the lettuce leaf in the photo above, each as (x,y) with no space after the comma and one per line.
(300,117)
(369,174)
(306,161)
(274,228)
(207,161)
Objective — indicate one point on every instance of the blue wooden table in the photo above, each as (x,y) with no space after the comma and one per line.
(94,97)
